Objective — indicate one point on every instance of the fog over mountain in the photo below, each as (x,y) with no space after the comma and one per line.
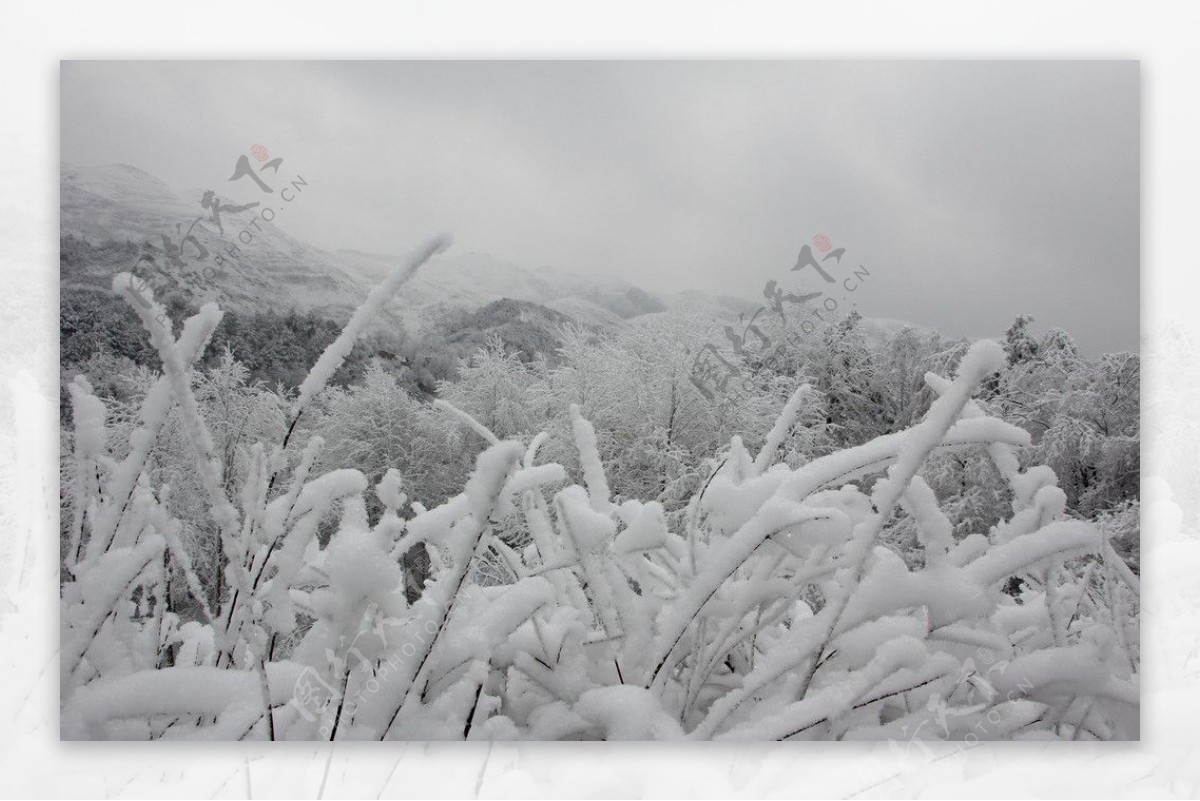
(274,269)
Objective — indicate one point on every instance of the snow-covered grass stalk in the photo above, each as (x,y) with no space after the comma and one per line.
(175,369)
(121,481)
(340,348)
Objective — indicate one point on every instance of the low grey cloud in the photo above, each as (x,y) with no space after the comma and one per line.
(972,191)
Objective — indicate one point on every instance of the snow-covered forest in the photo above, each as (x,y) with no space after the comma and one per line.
(898,537)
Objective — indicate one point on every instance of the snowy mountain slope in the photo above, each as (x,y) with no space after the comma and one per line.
(127,205)
(585,312)
(521,326)
(123,204)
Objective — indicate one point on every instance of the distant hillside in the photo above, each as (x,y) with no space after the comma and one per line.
(116,217)
(471,280)
(122,204)
(526,328)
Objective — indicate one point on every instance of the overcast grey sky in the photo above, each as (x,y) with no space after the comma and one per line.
(971,191)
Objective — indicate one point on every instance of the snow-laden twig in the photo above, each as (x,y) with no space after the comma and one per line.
(589,458)
(337,351)
(471,423)
(153,415)
(480,497)
(779,431)
(175,370)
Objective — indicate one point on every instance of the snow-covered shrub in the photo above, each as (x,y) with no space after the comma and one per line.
(770,608)
(375,426)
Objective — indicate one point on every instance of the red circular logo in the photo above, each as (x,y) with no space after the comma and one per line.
(822,242)
(259,152)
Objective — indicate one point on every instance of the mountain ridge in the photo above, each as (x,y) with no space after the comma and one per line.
(119,203)
(183,251)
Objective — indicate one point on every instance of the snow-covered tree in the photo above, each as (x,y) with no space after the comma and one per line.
(1019,344)
(376,425)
